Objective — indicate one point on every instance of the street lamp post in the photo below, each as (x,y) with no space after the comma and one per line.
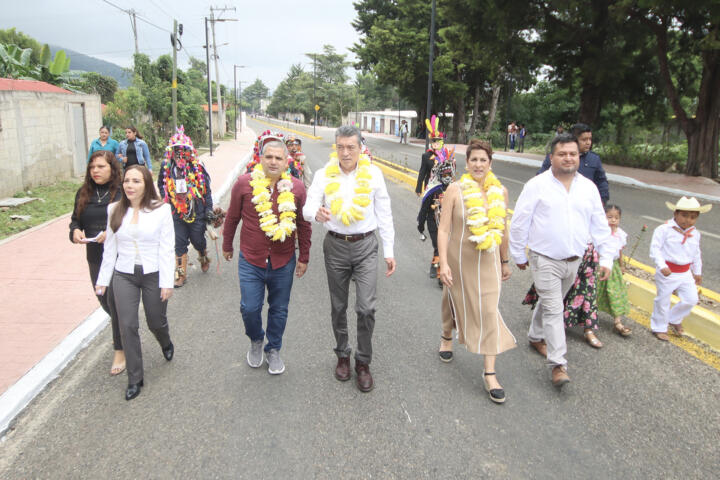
(314,100)
(430,69)
(235,84)
(207,56)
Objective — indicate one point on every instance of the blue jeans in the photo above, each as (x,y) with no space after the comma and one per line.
(253,281)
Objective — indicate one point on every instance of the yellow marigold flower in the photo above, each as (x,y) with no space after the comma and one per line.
(335,206)
(286,197)
(497,212)
(332,187)
(363,190)
(362,201)
(285,215)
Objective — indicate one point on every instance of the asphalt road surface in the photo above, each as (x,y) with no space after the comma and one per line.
(637,408)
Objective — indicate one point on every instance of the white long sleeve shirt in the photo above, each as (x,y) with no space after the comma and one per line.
(558,223)
(155,241)
(667,246)
(378,214)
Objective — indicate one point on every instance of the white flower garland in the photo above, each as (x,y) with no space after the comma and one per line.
(260,183)
(348,214)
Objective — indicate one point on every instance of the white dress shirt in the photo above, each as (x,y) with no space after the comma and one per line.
(154,242)
(618,240)
(667,246)
(558,223)
(378,214)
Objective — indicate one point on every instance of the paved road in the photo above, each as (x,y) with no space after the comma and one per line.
(636,409)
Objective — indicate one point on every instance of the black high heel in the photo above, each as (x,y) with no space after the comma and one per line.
(169,351)
(133,390)
(497,395)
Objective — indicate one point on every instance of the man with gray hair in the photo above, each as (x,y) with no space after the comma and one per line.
(271,224)
(349,197)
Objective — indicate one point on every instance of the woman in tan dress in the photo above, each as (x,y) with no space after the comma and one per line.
(473,247)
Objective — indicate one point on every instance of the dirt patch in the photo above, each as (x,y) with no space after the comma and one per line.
(703,301)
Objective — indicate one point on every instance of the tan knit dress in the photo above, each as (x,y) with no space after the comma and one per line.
(472,301)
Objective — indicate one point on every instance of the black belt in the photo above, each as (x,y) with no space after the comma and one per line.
(350,238)
(571,259)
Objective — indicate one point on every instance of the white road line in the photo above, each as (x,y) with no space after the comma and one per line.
(703,232)
(512,180)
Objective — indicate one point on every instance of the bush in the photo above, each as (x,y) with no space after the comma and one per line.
(647,156)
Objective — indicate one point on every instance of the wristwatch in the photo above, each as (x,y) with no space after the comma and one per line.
(504,261)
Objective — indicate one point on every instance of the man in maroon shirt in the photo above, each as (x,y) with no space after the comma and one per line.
(264,262)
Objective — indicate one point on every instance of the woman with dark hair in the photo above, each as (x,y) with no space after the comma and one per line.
(103,142)
(474,261)
(133,150)
(139,258)
(102,185)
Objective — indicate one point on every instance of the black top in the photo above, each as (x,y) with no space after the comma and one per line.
(426,165)
(93,219)
(130,154)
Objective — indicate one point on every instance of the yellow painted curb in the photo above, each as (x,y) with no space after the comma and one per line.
(288,129)
(701,324)
(712,295)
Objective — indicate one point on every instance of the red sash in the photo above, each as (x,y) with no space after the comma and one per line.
(675,268)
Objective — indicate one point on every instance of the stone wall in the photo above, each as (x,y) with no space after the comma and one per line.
(39,143)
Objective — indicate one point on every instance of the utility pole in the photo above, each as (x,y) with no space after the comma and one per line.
(221,110)
(209,91)
(177,45)
(133,22)
(430,70)
(314,86)
(235,85)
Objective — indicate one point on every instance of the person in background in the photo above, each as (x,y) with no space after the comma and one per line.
(675,249)
(522,132)
(103,142)
(102,186)
(133,150)
(139,260)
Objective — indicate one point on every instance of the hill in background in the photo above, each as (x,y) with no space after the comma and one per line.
(85,63)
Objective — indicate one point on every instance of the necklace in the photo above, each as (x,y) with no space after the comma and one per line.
(100,198)
(485,219)
(356,210)
(278,229)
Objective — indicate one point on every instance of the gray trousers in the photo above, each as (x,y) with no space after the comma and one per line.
(128,289)
(107,302)
(343,261)
(553,279)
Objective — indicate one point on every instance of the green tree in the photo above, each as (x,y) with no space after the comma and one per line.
(254,93)
(12,37)
(92,82)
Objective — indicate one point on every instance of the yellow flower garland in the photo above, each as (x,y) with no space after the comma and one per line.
(486,223)
(263,206)
(355,211)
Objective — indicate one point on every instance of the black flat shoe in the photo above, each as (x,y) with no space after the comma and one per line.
(497,395)
(133,390)
(169,351)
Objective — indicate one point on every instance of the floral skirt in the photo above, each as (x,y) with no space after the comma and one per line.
(612,293)
(580,302)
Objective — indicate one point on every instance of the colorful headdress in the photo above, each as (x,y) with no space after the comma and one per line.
(292,139)
(179,139)
(194,176)
(432,128)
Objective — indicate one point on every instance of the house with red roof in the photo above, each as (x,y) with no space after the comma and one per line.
(45,132)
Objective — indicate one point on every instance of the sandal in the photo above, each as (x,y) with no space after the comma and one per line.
(117,368)
(446,355)
(592,340)
(621,329)
(677,328)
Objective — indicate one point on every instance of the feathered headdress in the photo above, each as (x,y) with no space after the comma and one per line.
(179,139)
(432,128)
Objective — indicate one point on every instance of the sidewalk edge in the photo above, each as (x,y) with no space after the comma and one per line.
(232,178)
(32,229)
(22,392)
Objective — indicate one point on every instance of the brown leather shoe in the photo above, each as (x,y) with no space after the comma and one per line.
(540,347)
(364,379)
(559,376)
(342,371)
(204,261)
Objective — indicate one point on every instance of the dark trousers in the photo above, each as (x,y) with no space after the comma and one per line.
(253,282)
(521,144)
(128,289)
(359,260)
(186,233)
(433,230)
(107,302)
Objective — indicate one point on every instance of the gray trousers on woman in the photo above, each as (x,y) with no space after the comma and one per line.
(358,260)
(128,289)
(107,302)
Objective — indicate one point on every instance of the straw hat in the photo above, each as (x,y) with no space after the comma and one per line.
(689,205)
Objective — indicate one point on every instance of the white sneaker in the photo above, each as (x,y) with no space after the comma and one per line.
(255,354)
(275,363)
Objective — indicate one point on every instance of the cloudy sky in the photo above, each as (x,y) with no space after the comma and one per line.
(268,37)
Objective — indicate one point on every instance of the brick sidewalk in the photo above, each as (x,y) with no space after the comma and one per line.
(45,288)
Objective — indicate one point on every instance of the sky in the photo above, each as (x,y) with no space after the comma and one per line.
(268,37)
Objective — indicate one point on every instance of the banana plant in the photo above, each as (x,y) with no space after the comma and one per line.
(15,62)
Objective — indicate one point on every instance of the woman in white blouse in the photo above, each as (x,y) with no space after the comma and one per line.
(139,258)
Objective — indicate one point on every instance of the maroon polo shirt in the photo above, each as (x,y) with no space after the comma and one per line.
(255,245)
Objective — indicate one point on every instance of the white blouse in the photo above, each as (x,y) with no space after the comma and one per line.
(153,241)
(618,240)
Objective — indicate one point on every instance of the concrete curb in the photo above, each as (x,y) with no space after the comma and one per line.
(314,137)
(22,392)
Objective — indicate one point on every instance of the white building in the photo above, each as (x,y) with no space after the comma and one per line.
(385,121)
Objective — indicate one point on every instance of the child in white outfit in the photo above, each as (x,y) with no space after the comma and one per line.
(675,249)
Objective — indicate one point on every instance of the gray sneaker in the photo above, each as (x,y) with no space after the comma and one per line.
(255,354)
(275,363)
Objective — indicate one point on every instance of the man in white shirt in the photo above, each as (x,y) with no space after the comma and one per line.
(556,214)
(349,197)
